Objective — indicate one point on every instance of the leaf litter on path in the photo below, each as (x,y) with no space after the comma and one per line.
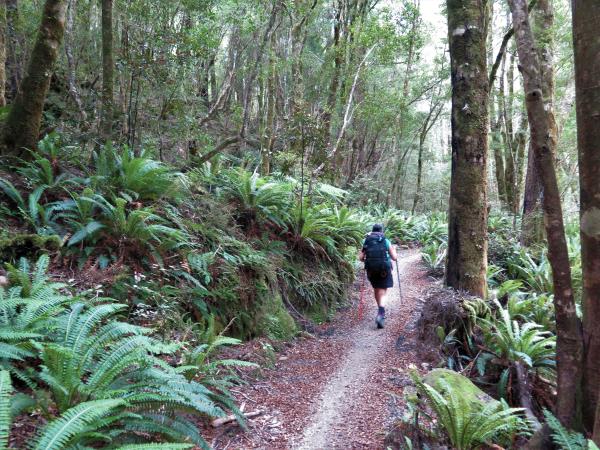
(339,390)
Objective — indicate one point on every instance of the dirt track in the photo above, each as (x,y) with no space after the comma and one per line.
(340,390)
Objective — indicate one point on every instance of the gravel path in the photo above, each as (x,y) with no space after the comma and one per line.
(340,390)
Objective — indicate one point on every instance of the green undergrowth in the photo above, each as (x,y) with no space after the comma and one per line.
(217,241)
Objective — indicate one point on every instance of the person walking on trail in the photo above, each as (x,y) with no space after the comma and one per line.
(377,253)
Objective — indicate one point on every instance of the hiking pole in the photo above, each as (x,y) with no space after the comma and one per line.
(399,285)
(362,296)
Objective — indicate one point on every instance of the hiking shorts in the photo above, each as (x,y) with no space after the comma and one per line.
(381,280)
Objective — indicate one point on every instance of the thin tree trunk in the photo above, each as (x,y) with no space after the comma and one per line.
(586,17)
(71,78)
(568,328)
(532,223)
(107,70)
(253,74)
(22,126)
(467,228)
(268,135)
(3,53)
(430,120)
(332,94)
(496,141)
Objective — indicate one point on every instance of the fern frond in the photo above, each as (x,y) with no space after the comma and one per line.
(59,433)
(5,416)
(565,439)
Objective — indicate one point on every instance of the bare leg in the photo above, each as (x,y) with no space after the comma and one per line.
(380,296)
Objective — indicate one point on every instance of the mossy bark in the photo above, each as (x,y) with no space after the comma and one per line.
(467,234)
(22,127)
(586,17)
(2,52)
(569,340)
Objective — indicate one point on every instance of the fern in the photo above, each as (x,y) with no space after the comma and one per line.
(563,438)
(5,415)
(467,427)
(78,420)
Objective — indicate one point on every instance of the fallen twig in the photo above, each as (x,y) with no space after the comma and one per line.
(231,418)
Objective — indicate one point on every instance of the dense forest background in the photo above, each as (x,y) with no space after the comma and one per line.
(207,170)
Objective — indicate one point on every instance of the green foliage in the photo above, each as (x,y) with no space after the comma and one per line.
(38,216)
(434,257)
(258,199)
(104,375)
(536,274)
(566,439)
(5,414)
(134,232)
(466,426)
(138,177)
(515,342)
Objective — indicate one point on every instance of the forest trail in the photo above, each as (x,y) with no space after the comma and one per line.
(342,388)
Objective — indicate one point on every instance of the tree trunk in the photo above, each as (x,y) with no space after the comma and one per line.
(496,141)
(532,223)
(467,227)
(22,126)
(71,77)
(13,61)
(3,53)
(586,16)
(568,328)
(107,70)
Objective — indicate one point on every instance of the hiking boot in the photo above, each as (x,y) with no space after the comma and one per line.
(380,320)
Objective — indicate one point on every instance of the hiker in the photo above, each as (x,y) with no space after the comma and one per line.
(376,252)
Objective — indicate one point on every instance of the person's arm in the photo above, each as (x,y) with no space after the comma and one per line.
(393,252)
(361,254)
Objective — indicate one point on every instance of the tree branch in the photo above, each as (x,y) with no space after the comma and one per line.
(509,34)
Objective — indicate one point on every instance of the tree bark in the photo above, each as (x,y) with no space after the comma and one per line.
(586,17)
(532,224)
(496,141)
(3,53)
(107,70)
(568,328)
(71,77)
(22,126)
(13,62)
(467,228)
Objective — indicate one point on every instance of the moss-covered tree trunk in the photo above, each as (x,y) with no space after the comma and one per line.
(586,17)
(2,52)
(107,69)
(14,71)
(22,127)
(568,328)
(467,234)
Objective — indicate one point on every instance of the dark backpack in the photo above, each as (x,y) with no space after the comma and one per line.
(376,259)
